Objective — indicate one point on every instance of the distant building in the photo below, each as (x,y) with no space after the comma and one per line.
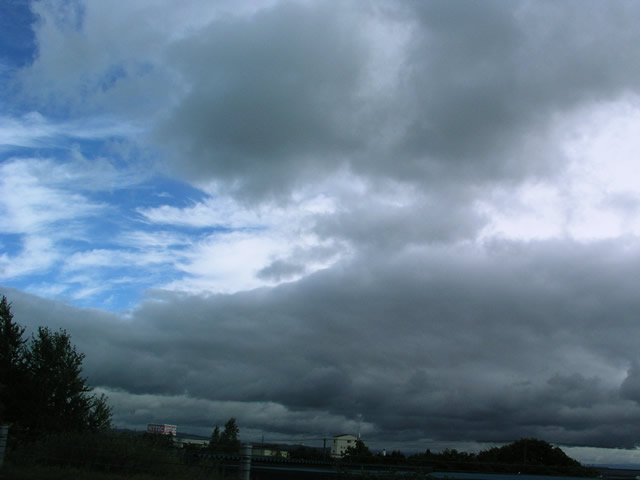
(340,443)
(162,429)
(182,442)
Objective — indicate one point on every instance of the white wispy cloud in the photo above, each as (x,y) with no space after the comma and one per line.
(212,212)
(250,239)
(228,262)
(37,254)
(114,258)
(46,204)
(35,130)
(32,201)
(40,214)
(140,239)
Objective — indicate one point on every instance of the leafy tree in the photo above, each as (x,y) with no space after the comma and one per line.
(528,451)
(100,413)
(229,442)
(215,439)
(397,456)
(531,455)
(13,368)
(358,452)
(527,455)
(12,345)
(61,398)
(453,455)
(44,391)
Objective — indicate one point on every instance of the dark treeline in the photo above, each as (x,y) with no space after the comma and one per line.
(528,455)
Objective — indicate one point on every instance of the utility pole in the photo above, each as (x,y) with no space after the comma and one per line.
(245,461)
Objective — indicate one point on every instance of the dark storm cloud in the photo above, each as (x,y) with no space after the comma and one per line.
(630,388)
(267,95)
(280,270)
(371,222)
(294,92)
(526,340)
(488,76)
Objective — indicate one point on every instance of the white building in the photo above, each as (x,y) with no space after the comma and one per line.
(340,443)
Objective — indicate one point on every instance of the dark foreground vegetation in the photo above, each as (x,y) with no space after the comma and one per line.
(526,456)
(115,456)
(107,456)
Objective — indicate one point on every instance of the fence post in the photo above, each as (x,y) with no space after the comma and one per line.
(4,433)
(245,461)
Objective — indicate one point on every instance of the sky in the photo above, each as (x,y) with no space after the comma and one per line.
(416,219)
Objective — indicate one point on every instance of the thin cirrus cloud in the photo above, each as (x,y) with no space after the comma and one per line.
(35,130)
(31,202)
(37,216)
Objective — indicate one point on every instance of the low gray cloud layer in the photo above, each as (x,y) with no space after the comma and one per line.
(523,341)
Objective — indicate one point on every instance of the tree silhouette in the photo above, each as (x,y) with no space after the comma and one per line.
(43,390)
(13,369)
(215,439)
(358,452)
(528,451)
(229,442)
